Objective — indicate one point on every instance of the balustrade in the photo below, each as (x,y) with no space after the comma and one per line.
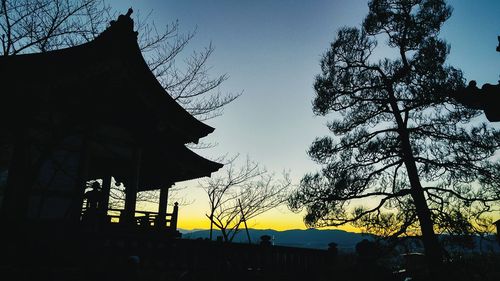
(141,218)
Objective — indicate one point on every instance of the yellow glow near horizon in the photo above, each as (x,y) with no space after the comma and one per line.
(192,216)
(278,219)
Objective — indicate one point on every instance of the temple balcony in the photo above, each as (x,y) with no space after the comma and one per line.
(93,219)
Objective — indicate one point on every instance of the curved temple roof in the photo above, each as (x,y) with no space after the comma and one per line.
(160,166)
(156,169)
(106,74)
(487,99)
(102,84)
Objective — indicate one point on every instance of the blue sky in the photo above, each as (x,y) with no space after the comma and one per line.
(271,51)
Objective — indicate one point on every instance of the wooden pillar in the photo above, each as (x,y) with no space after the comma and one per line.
(106,189)
(131,189)
(175,214)
(81,181)
(497,224)
(162,207)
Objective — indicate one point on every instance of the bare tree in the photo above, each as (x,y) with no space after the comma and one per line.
(240,193)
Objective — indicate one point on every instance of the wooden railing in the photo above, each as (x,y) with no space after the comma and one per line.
(141,218)
(208,254)
(205,256)
(66,245)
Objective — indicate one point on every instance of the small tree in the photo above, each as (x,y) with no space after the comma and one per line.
(238,194)
(404,147)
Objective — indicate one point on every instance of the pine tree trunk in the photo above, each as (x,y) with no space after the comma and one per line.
(433,250)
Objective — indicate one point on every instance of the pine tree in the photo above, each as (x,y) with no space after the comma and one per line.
(403,146)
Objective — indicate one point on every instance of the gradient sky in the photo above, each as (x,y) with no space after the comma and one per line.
(271,51)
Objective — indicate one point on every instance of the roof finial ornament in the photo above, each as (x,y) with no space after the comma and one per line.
(123,25)
(124,20)
(129,12)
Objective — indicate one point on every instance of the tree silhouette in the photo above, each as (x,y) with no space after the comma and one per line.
(403,147)
(239,193)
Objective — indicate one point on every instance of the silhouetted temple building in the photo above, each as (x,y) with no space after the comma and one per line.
(91,112)
(487,98)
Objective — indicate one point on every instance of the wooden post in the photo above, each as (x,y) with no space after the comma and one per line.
(175,214)
(162,207)
(81,181)
(106,189)
(131,189)
(497,224)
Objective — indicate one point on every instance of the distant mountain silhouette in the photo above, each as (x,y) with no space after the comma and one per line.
(310,238)
(319,239)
